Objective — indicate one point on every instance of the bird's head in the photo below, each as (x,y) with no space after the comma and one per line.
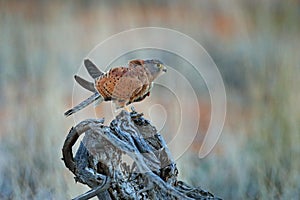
(155,67)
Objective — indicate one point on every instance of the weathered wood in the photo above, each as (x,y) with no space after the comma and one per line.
(100,161)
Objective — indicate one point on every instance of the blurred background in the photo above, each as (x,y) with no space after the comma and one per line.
(255,45)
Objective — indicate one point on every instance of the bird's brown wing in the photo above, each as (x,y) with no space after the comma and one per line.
(123,85)
(134,63)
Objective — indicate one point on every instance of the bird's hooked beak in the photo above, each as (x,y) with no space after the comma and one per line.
(164,69)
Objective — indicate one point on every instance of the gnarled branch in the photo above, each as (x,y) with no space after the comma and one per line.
(100,161)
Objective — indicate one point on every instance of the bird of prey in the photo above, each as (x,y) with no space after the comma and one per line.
(122,85)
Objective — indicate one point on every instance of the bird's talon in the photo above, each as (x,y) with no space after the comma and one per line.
(132,109)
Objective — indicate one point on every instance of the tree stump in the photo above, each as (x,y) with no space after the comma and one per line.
(127,160)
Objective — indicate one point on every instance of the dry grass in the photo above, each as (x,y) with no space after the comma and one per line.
(257,155)
(255,47)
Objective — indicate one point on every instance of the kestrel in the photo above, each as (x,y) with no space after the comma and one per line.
(122,85)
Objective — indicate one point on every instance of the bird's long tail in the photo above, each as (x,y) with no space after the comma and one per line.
(96,96)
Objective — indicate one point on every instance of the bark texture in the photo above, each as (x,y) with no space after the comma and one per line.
(127,160)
